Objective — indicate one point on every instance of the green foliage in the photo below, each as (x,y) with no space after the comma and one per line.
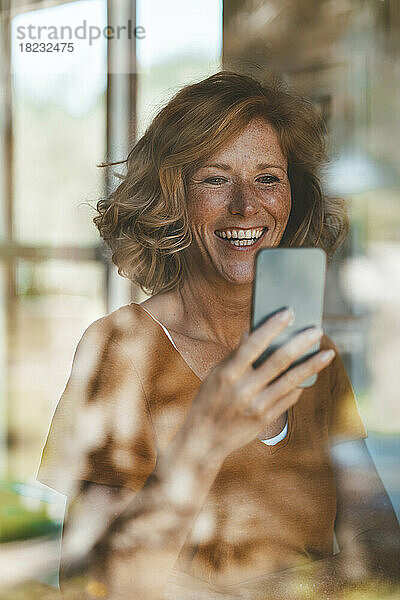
(18,521)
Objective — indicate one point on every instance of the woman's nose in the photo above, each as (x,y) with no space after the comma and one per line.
(243,201)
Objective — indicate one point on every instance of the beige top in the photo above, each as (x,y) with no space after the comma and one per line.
(269,508)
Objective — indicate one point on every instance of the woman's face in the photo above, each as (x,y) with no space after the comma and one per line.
(238,202)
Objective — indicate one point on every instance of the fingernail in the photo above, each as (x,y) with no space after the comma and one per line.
(284,314)
(315,332)
(327,355)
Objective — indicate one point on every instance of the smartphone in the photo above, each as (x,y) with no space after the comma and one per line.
(289,278)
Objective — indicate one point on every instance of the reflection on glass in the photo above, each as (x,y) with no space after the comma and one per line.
(56,301)
(183,44)
(3,378)
(371,281)
(59,133)
(2,163)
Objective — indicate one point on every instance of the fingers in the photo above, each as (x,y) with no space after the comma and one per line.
(282,358)
(254,343)
(277,409)
(268,399)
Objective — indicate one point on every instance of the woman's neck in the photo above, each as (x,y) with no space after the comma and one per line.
(215,310)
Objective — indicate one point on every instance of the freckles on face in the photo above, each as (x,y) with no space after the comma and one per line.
(278,205)
(239,201)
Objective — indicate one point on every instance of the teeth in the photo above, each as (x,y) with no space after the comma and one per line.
(248,236)
(242,242)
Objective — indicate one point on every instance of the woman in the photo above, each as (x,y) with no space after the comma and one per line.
(189,473)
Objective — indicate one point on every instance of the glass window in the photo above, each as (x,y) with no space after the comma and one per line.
(59,111)
(56,300)
(3,377)
(2,162)
(183,44)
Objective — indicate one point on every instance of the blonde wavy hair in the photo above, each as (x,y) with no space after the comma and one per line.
(144,220)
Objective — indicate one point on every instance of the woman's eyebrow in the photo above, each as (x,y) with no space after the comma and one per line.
(263,166)
(259,167)
(222,166)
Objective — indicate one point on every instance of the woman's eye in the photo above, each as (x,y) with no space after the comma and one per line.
(215,180)
(267,179)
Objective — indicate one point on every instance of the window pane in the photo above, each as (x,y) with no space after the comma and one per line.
(3,123)
(371,281)
(59,130)
(56,301)
(3,377)
(183,43)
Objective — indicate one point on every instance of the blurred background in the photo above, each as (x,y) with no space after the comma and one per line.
(63,114)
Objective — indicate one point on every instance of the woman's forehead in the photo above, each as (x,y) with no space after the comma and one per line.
(257,143)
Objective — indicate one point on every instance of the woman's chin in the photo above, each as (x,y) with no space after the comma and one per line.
(239,276)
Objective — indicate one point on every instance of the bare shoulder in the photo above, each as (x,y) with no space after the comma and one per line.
(166,308)
(118,325)
(113,338)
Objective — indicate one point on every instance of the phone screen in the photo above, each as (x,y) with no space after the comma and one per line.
(289,277)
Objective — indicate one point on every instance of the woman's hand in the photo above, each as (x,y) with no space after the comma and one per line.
(236,401)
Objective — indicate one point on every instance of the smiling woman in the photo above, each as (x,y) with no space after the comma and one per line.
(277,134)
(238,203)
(201,475)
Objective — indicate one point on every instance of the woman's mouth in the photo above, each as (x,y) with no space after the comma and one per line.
(241,238)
